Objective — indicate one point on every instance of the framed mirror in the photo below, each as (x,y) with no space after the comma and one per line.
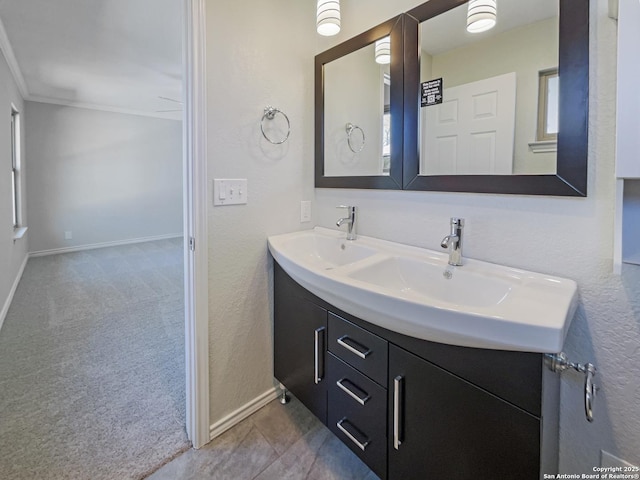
(512,115)
(359,106)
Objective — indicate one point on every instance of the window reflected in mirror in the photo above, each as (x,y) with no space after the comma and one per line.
(548,95)
(386,126)
(489,119)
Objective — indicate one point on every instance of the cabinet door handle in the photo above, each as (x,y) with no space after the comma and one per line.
(360,445)
(398,394)
(318,364)
(351,393)
(342,341)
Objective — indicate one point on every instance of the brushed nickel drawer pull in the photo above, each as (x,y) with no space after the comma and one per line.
(344,388)
(318,368)
(360,445)
(342,341)
(397,412)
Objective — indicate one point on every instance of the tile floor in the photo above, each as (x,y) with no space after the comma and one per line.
(277,442)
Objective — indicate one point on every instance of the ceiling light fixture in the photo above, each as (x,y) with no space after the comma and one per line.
(328,17)
(481,15)
(383,51)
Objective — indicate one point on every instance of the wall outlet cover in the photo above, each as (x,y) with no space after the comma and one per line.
(305,211)
(68,235)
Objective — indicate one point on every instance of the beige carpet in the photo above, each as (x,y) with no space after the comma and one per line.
(92,365)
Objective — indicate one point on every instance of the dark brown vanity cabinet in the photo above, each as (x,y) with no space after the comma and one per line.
(357,374)
(357,413)
(299,336)
(414,409)
(445,427)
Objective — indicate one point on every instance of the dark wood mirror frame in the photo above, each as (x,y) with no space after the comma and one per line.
(393,28)
(573,68)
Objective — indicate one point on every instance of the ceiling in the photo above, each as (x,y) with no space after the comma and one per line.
(117,55)
(123,55)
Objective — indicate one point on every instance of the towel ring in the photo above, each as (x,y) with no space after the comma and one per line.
(350,128)
(270,113)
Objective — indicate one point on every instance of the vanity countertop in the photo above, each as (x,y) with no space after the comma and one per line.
(415,292)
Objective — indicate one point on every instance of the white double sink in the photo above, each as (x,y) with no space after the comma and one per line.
(415,292)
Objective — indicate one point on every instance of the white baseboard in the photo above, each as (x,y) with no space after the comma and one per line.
(243,412)
(55,251)
(7,303)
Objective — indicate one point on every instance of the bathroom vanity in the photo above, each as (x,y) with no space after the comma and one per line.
(428,368)
(411,408)
(423,369)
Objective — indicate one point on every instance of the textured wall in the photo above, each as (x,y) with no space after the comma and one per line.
(570,237)
(258,54)
(103,176)
(12,254)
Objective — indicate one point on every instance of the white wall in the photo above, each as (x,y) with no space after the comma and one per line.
(258,54)
(266,52)
(628,107)
(12,254)
(570,237)
(103,176)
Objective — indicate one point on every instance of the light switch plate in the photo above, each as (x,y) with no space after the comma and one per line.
(229,191)
(305,211)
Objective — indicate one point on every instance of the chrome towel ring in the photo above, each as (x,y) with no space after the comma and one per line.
(350,128)
(559,362)
(269,114)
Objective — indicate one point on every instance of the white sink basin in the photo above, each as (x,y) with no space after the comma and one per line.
(415,292)
(323,251)
(414,278)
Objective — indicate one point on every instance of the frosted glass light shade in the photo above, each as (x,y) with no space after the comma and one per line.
(328,17)
(383,51)
(481,15)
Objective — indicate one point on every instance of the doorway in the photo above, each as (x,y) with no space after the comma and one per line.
(194,225)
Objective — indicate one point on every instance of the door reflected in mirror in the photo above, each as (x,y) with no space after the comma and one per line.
(357,115)
(495,116)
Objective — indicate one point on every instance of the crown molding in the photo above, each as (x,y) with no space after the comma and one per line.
(7,51)
(102,108)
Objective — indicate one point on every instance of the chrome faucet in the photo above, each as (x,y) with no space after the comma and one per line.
(350,221)
(453,241)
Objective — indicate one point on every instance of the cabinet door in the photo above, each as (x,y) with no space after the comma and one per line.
(300,329)
(444,427)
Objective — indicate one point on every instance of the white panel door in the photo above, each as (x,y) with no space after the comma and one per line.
(472,131)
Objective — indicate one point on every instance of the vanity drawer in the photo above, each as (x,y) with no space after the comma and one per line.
(357,413)
(363,350)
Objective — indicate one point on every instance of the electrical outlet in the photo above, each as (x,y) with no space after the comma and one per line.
(608,460)
(68,235)
(305,211)
(228,191)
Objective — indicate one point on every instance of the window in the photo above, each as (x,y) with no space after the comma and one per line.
(548,106)
(15,167)
(386,124)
